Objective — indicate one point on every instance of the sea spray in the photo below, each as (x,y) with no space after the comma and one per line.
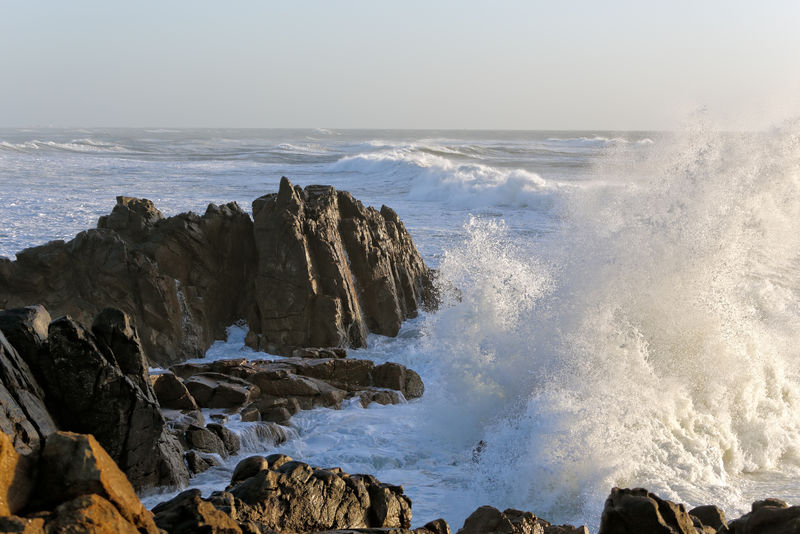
(652,341)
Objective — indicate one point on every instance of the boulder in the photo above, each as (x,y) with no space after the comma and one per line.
(709,516)
(490,520)
(172,393)
(204,440)
(215,390)
(90,514)
(768,516)
(230,440)
(249,467)
(638,511)
(291,496)
(75,465)
(198,463)
(88,392)
(188,513)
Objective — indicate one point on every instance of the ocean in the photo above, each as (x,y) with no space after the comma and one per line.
(626,312)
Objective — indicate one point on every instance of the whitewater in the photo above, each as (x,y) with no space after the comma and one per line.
(620,308)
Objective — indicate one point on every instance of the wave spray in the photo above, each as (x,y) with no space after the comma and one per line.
(652,340)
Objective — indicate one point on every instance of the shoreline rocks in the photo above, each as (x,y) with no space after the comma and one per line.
(313,268)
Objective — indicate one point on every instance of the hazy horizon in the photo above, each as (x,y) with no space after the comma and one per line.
(412,66)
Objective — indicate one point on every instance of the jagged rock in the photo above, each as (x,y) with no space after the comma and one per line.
(437,526)
(230,440)
(23,414)
(113,331)
(488,519)
(395,376)
(709,516)
(215,390)
(198,463)
(768,516)
(249,467)
(88,392)
(204,440)
(172,393)
(74,465)
(188,513)
(329,269)
(182,279)
(291,496)
(637,511)
(315,268)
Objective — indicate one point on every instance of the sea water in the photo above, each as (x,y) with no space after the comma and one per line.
(627,309)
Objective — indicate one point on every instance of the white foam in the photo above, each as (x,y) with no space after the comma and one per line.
(465,185)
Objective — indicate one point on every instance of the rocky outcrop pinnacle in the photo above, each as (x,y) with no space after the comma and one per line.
(314,268)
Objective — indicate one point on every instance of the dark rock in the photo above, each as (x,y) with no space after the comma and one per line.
(215,390)
(395,376)
(230,440)
(769,516)
(204,440)
(315,248)
(249,467)
(315,269)
(437,526)
(23,414)
(488,519)
(198,463)
(638,511)
(172,393)
(768,502)
(87,392)
(250,414)
(182,279)
(291,496)
(188,513)
(113,331)
(710,516)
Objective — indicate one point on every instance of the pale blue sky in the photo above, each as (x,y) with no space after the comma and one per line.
(408,64)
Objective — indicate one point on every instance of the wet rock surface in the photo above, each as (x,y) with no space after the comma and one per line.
(314,268)
(277,389)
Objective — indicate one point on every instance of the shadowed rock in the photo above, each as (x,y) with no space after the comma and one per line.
(315,268)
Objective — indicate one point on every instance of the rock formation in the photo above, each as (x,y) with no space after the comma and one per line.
(89,382)
(72,486)
(488,519)
(277,389)
(281,495)
(316,268)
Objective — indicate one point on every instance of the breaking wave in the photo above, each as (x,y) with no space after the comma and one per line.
(653,341)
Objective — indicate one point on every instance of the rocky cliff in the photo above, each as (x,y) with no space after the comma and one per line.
(314,267)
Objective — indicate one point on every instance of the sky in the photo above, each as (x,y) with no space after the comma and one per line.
(637,65)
